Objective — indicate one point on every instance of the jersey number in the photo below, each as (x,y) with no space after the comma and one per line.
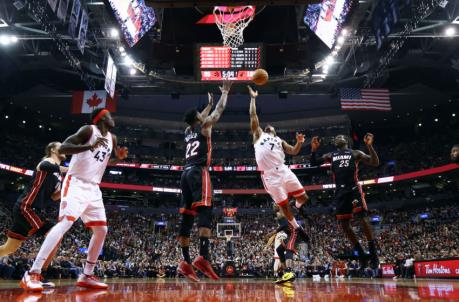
(272,146)
(100,156)
(191,149)
(344,163)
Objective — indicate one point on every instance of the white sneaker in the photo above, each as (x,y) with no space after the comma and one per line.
(47,284)
(90,281)
(31,282)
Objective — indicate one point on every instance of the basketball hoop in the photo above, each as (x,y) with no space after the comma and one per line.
(232,20)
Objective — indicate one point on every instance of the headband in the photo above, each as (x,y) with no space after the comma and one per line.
(100,115)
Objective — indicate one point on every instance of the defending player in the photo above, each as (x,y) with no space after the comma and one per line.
(27,217)
(286,248)
(196,185)
(91,147)
(279,181)
(349,196)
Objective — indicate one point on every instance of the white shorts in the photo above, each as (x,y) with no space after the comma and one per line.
(81,199)
(281,183)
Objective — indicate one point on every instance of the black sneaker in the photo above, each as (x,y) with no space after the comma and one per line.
(374,262)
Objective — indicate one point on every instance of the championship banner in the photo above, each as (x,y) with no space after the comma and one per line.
(387,270)
(53,4)
(87,101)
(110,77)
(437,268)
(74,17)
(83,30)
(62,10)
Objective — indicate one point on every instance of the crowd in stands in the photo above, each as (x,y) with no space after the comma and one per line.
(137,246)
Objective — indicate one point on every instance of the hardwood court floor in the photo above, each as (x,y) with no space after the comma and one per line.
(246,290)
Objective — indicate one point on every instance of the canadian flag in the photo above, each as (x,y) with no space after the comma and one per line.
(89,100)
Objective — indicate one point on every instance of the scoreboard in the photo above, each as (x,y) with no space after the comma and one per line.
(215,63)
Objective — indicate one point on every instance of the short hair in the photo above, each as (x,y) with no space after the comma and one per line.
(49,148)
(94,114)
(190,116)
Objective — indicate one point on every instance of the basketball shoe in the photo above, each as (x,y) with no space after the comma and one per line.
(31,282)
(204,266)
(187,271)
(90,281)
(286,277)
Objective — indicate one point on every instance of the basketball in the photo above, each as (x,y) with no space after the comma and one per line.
(260,77)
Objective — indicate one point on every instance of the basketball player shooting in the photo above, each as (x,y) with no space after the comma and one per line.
(349,196)
(91,148)
(279,181)
(27,221)
(196,185)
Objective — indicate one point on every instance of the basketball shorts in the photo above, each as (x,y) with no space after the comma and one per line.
(82,199)
(282,184)
(292,242)
(196,189)
(28,222)
(350,202)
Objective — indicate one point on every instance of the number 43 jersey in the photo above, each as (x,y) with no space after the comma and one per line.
(90,165)
(344,168)
(198,150)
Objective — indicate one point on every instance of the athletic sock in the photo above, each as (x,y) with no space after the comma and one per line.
(186,254)
(372,247)
(89,268)
(204,247)
(294,223)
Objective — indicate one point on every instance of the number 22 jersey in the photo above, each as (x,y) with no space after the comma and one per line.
(198,148)
(90,165)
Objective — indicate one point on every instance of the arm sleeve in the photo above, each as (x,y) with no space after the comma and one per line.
(48,167)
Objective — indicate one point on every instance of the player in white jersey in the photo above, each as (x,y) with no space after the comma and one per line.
(279,181)
(91,147)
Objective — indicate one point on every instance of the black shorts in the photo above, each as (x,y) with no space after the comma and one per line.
(292,242)
(350,202)
(27,222)
(196,189)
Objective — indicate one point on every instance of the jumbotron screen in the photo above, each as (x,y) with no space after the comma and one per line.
(216,62)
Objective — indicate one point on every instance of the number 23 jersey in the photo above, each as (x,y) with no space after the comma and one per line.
(344,168)
(198,148)
(269,152)
(90,165)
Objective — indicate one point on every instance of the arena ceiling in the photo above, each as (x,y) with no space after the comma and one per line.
(38,65)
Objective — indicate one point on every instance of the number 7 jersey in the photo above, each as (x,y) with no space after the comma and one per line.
(90,165)
(269,152)
(198,150)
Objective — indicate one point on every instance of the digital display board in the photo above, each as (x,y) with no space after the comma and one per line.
(216,62)
(326,19)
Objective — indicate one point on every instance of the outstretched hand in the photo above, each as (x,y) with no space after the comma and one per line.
(225,88)
(253,93)
(122,153)
(300,138)
(368,139)
(315,143)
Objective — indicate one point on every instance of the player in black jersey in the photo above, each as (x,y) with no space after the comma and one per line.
(288,248)
(349,196)
(28,219)
(196,185)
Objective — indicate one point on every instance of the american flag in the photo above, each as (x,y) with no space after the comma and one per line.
(365,99)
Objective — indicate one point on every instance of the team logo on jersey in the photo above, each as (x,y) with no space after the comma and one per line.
(274,141)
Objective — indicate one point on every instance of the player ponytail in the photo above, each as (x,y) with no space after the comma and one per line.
(49,148)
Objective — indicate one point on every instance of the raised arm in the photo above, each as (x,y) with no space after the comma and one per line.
(254,122)
(294,150)
(77,142)
(326,158)
(206,111)
(213,118)
(372,159)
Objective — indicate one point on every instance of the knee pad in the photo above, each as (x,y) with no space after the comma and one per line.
(186,225)
(205,217)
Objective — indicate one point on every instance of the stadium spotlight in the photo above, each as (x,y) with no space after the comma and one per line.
(330,60)
(340,40)
(23,122)
(40,126)
(114,34)
(6,116)
(420,124)
(132,71)
(450,31)
(128,60)
(121,49)
(345,32)
(453,114)
(436,120)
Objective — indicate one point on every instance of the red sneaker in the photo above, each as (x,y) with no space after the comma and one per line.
(204,266)
(187,271)
(90,281)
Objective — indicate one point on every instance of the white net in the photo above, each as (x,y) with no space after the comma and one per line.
(232,21)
